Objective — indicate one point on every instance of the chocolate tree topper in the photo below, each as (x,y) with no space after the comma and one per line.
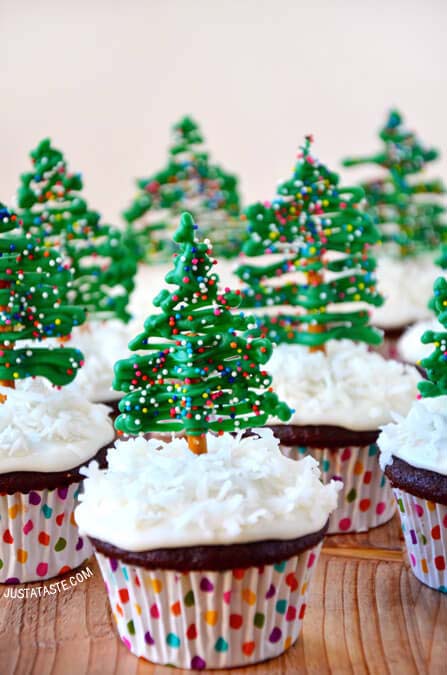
(411,217)
(319,230)
(435,365)
(53,210)
(201,370)
(189,182)
(33,283)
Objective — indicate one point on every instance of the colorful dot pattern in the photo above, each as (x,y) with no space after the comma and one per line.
(366,499)
(424,525)
(201,620)
(39,538)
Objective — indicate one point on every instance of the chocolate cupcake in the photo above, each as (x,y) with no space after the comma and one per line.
(46,435)
(341,398)
(413,456)
(207,559)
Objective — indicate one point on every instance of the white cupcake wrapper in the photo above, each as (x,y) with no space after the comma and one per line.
(366,500)
(39,538)
(201,620)
(424,525)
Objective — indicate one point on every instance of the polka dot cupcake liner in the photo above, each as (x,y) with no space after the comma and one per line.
(424,525)
(199,620)
(39,538)
(366,500)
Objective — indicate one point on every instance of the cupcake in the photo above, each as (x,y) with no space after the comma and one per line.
(411,216)
(197,591)
(53,209)
(45,434)
(345,395)
(207,542)
(310,300)
(413,456)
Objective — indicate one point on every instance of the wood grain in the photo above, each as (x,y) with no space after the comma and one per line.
(367,614)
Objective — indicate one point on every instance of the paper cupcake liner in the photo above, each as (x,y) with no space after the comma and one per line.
(366,500)
(424,525)
(201,620)
(39,538)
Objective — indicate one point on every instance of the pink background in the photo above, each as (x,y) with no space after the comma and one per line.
(106,78)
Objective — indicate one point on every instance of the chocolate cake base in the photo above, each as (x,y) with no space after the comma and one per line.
(25,481)
(322,436)
(213,558)
(418,482)
(395,332)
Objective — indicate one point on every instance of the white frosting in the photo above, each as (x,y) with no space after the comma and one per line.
(102,343)
(410,347)
(242,490)
(348,386)
(407,286)
(420,438)
(48,429)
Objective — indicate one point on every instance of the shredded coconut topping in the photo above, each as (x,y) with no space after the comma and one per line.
(160,495)
(48,429)
(347,386)
(420,438)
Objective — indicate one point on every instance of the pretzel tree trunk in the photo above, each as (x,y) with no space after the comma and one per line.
(197,444)
(314,279)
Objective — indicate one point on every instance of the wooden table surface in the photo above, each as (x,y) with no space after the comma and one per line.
(366,614)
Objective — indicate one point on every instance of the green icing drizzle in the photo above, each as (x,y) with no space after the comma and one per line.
(33,284)
(435,365)
(311,218)
(53,210)
(189,182)
(410,218)
(201,368)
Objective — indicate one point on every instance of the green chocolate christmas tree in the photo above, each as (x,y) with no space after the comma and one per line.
(53,210)
(189,182)
(435,365)
(201,371)
(316,228)
(33,283)
(408,211)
